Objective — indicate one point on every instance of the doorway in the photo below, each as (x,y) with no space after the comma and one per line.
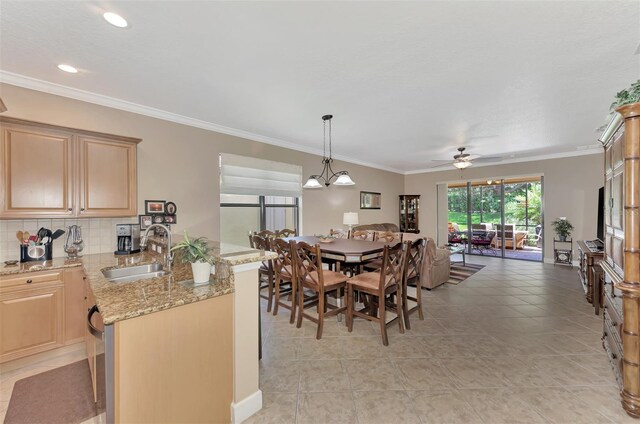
(497,217)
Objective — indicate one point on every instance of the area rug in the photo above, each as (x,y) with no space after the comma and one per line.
(459,273)
(62,395)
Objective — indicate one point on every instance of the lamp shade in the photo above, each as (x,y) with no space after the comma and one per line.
(350,218)
(344,180)
(312,183)
(462,164)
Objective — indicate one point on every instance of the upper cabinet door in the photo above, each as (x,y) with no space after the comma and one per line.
(108,180)
(37,172)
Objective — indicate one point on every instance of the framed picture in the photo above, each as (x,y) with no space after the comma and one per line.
(145,221)
(171,208)
(158,219)
(369,200)
(170,219)
(154,207)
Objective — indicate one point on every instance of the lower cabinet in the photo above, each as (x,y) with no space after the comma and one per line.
(40,311)
(31,317)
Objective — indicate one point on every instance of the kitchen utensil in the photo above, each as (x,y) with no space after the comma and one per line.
(26,235)
(42,232)
(20,236)
(73,244)
(57,234)
(45,240)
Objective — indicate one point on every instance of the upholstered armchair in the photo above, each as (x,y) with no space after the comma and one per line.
(436,265)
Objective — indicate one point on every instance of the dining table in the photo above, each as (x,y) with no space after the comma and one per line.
(343,252)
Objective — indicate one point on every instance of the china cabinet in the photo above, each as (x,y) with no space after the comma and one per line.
(409,211)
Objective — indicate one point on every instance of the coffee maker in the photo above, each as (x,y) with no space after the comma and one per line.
(127,238)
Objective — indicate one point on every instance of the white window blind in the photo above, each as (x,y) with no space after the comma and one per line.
(247,175)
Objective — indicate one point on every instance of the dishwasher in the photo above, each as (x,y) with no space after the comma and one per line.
(100,357)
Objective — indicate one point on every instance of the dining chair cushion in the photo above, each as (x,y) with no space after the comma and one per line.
(330,278)
(368,280)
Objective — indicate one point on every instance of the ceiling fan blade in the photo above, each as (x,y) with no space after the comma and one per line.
(448,163)
(488,159)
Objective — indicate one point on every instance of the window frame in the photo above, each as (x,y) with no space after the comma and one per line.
(263,205)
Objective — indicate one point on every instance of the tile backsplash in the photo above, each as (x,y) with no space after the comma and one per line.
(99,234)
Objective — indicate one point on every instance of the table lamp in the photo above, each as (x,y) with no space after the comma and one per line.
(350,219)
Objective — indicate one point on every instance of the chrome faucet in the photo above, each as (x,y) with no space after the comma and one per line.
(168,256)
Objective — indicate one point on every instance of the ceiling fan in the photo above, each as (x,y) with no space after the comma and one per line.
(464,160)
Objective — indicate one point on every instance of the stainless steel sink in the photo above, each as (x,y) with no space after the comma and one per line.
(133,273)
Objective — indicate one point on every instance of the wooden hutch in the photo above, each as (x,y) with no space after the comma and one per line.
(409,213)
(621,264)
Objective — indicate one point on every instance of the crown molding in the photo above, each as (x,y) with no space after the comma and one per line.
(102,100)
(111,102)
(582,152)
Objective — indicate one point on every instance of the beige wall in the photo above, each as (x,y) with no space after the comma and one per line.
(570,189)
(180,163)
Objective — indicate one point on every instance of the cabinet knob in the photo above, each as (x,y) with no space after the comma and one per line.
(70,209)
(81,209)
(29,281)
(613,356)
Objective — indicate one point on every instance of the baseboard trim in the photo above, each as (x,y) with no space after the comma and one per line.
(248,406)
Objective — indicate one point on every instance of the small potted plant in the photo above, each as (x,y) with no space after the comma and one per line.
(196,252)
(562,227)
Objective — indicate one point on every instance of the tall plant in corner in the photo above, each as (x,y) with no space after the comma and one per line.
(196,252)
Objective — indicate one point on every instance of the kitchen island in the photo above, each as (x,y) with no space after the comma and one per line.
(175,352)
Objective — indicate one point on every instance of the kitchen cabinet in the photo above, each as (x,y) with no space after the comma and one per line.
(91,342)
(31,314)
(55,172)
(74,305)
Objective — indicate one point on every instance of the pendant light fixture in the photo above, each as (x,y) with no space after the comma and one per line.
(327,174)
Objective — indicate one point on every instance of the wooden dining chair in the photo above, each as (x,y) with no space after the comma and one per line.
(285,283)
(265,272)
(339,233)
(310,275)
(388,236)
(414,257)
(368,235)
(267,234)
(286,232)
(383,288)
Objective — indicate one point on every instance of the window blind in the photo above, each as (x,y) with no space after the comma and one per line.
(248,175)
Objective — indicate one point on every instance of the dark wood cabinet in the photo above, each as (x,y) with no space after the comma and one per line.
(621,263)
(588,259)
(409,213)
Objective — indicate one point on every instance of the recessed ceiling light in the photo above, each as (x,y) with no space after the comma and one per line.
(115,19)
(68,68)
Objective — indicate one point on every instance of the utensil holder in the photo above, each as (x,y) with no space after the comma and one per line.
(39,252)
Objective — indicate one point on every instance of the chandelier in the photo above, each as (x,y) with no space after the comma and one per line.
(327,174)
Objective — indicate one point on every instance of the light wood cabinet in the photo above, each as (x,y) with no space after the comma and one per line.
(54,172)
(31,314)
(74,305)
(41,311)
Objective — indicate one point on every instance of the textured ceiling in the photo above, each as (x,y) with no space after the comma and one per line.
(407,82)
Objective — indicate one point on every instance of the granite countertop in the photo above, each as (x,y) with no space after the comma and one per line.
(122,301)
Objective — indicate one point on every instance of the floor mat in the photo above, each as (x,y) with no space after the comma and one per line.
(62,395)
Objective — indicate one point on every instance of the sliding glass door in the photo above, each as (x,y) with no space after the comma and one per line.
(497,217)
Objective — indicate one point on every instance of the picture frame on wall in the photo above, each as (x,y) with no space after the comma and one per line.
(158,219)
(370,200)
(152,207)
(145,221)
(170,219)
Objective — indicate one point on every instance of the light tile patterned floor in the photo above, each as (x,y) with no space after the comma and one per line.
(516,342)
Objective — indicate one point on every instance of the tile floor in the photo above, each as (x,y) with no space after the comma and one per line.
(516,342)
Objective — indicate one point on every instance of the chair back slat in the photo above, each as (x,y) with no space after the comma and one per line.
(363,235)
(414,258)
(308,264)
(339,233)
(267,234)
(393,263)
(284,259)
(286,232)
(388,236)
